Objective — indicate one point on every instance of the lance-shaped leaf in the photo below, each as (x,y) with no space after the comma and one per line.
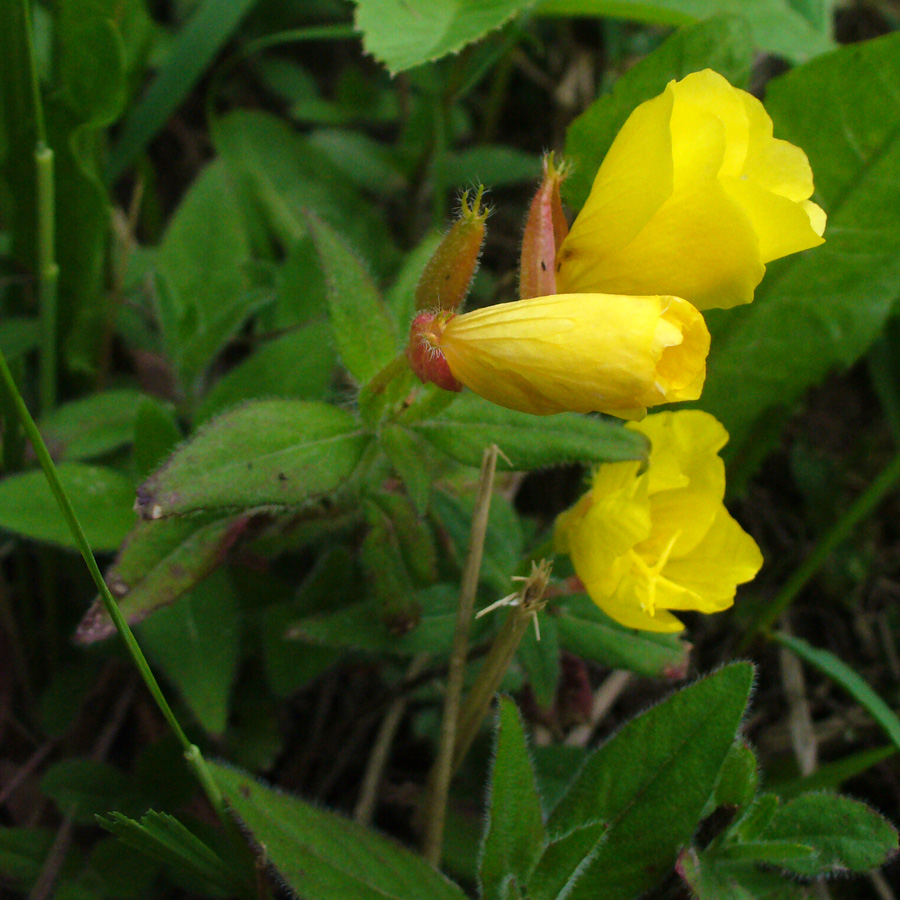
(324,856)
(585,630)
(101,497)
(649,785)
(846,834)
(363,330)
(158,562)
(471,423)
(514,833)
(270,453)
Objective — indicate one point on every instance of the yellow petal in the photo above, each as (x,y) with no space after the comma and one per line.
(634,180)
(686,480)
(608,529)
(778,166)
(626,609)
(817,217)
(729,198)
(725,558)
(579,352)
(782,226)
(710,131)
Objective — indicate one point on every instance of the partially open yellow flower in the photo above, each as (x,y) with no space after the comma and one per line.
(644,543)
(571,352)
(694,197)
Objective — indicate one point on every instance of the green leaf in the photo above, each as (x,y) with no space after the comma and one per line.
(410,458)
(471,424)
(192,50)
(586,631)
(387,577)
(756,818)
(323,856)
(563,861)
(289,664)
(18,335)
(504,544)
(267,453)
(650,783)
(156,433)
(401,296)
(162,837)
(359,626)
(540,660)
(823,308)
(159,561)
(402,35)
(203,258)
(514,831)
(739,778)
(712,879)
(280,176)
(196,643)
(23,851)
(297,364)
(493,166)
(102,498)
(92,426)
(849,680)
(771,852)
(720,44)
(84,787)
(91,63)
(18,134)
(831,776)
(847,834)
(776,25)
(362,328)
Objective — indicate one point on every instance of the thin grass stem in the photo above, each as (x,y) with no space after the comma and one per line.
(435,807)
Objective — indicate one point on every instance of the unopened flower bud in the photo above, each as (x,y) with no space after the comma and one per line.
(545,230)
(448,275)
(424,353)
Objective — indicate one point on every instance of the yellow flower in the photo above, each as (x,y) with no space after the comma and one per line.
(644,543)
(575,352)
(694,197)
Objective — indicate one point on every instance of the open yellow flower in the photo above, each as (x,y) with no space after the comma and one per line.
(645,543)
(569,352)
(694,197)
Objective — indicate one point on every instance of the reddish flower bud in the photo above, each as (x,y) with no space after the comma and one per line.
(424,353)
(545,229)
(448,275)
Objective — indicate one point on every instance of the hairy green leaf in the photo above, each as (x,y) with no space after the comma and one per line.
(324,856)
(470,424)
(514,832)
(649,784)
(266,453)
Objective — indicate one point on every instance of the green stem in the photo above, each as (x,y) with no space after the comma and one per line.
(48,273)
(839,532)
(438,788)
(192,753)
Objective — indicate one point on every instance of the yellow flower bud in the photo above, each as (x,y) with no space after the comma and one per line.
(694,197)
(578,352)
(645,543)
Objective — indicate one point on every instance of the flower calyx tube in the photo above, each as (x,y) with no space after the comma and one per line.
(545,230)
(424,351)
(448,275)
